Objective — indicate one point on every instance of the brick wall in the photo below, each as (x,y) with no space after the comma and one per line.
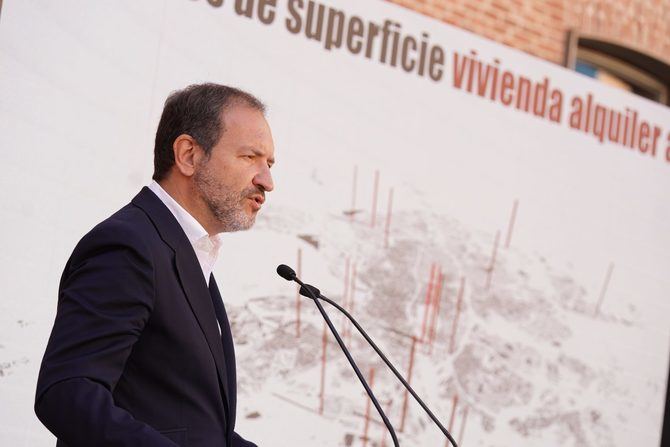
(540,27)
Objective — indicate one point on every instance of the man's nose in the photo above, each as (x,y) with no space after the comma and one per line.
(263,179)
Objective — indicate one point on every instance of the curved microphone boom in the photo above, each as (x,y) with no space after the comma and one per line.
(312,292)
(388,363)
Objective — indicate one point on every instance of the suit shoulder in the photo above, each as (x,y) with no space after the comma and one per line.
(128,228)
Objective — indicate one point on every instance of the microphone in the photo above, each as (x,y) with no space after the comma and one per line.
(310,291)
(286,272)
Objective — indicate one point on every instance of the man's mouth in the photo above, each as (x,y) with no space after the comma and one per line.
(258,200)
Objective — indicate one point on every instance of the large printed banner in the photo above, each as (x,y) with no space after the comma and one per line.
(498,223)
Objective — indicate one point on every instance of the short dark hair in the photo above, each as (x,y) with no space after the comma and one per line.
(196,110)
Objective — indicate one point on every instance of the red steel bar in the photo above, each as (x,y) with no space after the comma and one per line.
(454,325)
(375,191)
(608,276)
(371,381)
(489,269)
(453,412)
(427,301)
(436,309)
(389,210)
(512,219)
(409,380)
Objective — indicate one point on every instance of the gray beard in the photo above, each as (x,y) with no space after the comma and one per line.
(225,205)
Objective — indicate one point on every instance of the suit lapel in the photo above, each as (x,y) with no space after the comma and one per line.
(228,351)
(191,279)
(193,283)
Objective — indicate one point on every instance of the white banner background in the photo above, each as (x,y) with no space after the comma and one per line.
(82,86)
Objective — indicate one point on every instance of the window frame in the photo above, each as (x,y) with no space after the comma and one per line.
(629,64)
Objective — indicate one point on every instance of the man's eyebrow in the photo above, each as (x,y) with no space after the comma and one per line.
(258,152)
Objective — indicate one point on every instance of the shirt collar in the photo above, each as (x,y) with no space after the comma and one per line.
(194,231)
(205,246)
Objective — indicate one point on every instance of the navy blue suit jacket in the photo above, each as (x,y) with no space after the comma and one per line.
(135,357)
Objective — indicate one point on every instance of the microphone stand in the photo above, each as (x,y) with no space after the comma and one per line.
(305,290)
(312,292)
(311,289)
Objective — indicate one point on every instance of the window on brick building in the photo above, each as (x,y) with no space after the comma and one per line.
(620,67)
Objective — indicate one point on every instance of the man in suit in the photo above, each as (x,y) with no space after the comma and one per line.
(141,352)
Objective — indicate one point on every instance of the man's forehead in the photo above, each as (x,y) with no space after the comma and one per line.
(245,128)
(241,111)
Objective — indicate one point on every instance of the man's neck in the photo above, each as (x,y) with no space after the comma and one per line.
(190,201)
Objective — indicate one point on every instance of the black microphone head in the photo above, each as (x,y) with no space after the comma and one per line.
(286,272)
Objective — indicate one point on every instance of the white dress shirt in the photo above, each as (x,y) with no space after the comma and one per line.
(206,247)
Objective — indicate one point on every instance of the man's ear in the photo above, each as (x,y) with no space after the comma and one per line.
(185,150)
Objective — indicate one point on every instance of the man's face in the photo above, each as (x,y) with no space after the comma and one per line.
(233,181)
